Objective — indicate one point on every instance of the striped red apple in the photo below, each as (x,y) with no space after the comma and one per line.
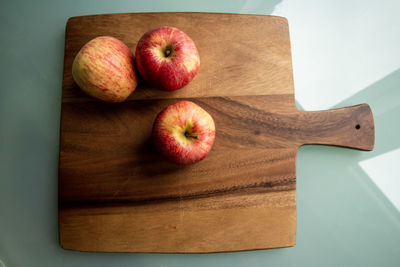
(184,132)
(104,69)
(167,58)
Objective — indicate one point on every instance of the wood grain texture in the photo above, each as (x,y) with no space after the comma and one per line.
(116,193)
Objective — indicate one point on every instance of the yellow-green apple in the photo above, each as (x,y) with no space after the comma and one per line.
(104,68)
(167,58)
(184,132)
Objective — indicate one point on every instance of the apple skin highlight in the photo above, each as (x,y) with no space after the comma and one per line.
(167,58)
(184,132)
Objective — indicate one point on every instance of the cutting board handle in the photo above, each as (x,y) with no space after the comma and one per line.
(351,127)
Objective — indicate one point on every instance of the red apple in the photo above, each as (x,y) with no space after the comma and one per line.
(104,69)
(184,132)
(167,58)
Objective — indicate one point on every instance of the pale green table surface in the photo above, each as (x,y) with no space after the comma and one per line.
(344,53)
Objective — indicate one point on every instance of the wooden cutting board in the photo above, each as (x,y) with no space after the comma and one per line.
(116,193)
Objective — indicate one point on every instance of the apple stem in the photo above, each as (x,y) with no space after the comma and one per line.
(192,136)
(167,52)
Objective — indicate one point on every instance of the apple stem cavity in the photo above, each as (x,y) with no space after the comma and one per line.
(168,50)
(187,134)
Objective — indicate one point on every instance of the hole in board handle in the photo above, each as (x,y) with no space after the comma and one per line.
(358,126)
